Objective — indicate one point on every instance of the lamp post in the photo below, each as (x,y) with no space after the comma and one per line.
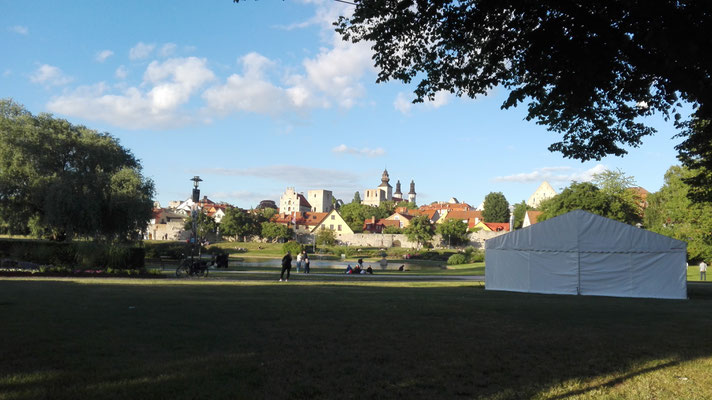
(194,215)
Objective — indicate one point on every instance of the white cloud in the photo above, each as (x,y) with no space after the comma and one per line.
(103,55)
(404,102)
(294,175)
(155,103)
(343,149)
(553,175)
(251,91)
(19,29)
(50,75)
(167,50)
(121,72)
(141,51)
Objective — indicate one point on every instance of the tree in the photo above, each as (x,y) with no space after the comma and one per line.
(406,204)
(454,230)
(671,212)
(357,198)
(272,231)
(520,210)
(586,196)
(496,208)
(356,213)
(237,222)
(586,69)
(206,225)
(392,230)
(326,237)
(419,230)
(62,180)
(266,214)
(618,185)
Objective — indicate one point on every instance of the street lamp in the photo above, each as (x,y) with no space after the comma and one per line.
(194,215)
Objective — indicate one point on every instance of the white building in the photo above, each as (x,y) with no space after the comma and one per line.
(291,201)
(543,192)
(320,200)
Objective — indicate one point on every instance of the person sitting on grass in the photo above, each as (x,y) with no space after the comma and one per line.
(349,270)
(369,270)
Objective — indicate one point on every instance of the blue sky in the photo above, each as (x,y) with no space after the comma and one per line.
(262,95)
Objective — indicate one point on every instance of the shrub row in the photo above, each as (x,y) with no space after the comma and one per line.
(74,254)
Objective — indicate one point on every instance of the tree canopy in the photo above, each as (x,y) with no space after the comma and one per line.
(496,208)
(670,212)
(419,229)
(520,210)
(585,69)
(237,222)
(453,230)
(588,197)
(61,180)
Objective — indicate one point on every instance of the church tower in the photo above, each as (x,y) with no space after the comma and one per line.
(411,194)
(398,192)
(386,187)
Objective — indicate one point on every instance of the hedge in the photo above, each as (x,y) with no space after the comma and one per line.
(74,254)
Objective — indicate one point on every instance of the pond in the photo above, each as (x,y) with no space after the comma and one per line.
(333,264)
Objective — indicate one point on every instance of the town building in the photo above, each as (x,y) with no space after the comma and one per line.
(543,192)
(291,201)
(321,201)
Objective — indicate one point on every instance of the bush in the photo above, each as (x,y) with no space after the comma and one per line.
(473,255)
(292,247)
(457,259)
(74,254)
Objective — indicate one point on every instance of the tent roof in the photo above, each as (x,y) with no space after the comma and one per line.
(585,232)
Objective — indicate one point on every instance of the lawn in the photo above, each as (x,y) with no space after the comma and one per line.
(216,338)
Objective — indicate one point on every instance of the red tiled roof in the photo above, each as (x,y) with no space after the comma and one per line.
(533,216)
(463,215)
(498,226)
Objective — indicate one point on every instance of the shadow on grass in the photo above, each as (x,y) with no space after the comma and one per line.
(63,340)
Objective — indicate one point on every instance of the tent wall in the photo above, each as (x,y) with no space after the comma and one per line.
(582,253)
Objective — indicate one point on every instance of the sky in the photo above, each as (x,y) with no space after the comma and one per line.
(259,96)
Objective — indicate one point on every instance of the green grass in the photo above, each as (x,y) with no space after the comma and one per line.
(225,339)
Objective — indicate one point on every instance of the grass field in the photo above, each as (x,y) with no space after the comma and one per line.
(224,339)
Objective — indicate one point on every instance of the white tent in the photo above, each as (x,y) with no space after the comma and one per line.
(583,253)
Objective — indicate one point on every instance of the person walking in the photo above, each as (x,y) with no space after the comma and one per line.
(299,261)
(286,266)
(703,271)
(306,264)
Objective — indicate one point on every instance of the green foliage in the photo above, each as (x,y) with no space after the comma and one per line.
(60,180)
(357,198)
(520,210)
(672,213)
(157,249)
(603,68)
(387,208)
(406,204)
(356,213)
(326,237)
(454,231)
(237,222)
(206,225)
(457,259)
(292,247)
(393,230)
(496,208)
(473,255)
(419,229)
(586,196)
(266,214)
(96,255)
(272,231)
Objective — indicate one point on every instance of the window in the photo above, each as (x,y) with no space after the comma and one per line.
(331,227)
(333,217)
(339,227)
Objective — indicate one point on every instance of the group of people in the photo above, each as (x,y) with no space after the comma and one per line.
(302,260)
(358,269)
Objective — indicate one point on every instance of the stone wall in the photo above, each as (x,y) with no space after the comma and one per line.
(477,240)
